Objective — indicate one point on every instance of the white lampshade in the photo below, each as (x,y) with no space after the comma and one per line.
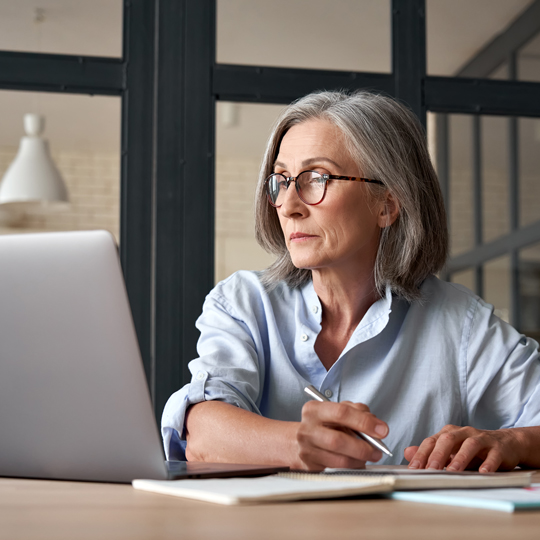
(33,176)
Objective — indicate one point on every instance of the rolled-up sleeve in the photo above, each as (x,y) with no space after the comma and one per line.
(230,368)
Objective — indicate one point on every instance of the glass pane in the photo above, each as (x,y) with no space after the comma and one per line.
(529,61)
(457,30)
(465,278)
(63,26)
(529,289)
(529,170)
(461,183)
(501,73)
(495,174)
(497,286)
(84,139)
(322,34)
(242,130)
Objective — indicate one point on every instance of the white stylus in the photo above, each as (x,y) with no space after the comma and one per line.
(376,443)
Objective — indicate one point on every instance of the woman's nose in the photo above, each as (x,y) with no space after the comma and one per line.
(292,204)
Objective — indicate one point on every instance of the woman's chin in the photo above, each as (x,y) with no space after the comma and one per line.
(304,263)
(301,265)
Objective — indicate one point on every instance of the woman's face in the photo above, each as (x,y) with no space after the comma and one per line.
(342,232)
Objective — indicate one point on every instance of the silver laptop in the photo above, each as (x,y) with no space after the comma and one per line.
(74,403)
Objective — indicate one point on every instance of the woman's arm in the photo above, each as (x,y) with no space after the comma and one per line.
(219,432)
(459,448)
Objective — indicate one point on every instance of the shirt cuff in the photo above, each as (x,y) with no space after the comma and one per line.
(174,415)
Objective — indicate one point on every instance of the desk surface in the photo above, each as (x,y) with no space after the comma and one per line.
(39,509)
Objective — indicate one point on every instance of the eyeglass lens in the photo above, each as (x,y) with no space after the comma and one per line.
(309,185)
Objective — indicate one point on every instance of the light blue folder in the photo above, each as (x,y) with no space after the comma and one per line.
(504,500)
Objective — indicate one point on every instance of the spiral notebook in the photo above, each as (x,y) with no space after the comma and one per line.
(280,487)
(331,484)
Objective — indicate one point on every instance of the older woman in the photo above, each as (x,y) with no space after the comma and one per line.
(349,203)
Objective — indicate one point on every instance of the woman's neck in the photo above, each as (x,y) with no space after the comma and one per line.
(345,298)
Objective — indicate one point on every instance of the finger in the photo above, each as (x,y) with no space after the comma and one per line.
(336,442)
(410,452)
(345,443)
(492,462)
(470,448)
(423,452)
(447,443)
(355,416)
(316,459)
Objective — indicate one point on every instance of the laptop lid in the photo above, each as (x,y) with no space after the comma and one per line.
(74,402)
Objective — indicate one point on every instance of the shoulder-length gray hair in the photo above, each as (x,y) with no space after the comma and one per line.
(388,144)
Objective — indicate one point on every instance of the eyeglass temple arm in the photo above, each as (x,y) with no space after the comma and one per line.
(354,179)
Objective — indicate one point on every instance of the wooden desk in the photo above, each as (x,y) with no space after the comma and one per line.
(39,509)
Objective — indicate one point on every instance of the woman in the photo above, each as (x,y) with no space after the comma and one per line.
(352,306)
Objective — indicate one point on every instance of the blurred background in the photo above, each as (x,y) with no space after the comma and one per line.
(489,164)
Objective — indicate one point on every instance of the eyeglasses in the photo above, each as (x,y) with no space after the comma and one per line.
(310,186)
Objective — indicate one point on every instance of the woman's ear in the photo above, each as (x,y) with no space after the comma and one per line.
(389,211)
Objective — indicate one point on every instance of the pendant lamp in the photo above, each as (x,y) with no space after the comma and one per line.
(33,176)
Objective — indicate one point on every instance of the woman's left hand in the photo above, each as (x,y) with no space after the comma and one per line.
(459,448)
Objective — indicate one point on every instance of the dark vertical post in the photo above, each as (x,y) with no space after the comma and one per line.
(136,206)
(442,152)
(409,53)
(198,181)
(513,201)
(477,198)
(442,155)
(169,207)
(184,219)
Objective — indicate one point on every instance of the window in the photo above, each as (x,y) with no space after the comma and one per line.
(168,82)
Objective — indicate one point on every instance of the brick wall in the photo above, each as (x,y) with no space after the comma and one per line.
(93,182)
(236,248)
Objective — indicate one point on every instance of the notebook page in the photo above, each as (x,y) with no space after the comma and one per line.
(264,489)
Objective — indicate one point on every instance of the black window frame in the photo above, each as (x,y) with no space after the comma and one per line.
(169,81)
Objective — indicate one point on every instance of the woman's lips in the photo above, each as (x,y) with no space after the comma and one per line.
(301,237)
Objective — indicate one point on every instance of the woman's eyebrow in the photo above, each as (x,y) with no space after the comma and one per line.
(316,160)
(310,161)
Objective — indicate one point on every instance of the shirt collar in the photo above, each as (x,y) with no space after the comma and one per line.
(373,322)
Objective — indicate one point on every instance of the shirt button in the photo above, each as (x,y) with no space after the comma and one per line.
(200,376)
(328,393)
(315,309)
(304,337)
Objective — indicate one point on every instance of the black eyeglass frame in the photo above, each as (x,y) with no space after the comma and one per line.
(326,178)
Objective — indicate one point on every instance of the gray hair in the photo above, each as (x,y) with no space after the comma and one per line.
(388,143)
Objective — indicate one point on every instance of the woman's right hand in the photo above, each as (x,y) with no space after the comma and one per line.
(325,435)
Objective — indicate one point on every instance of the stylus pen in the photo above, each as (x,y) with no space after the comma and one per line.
(376,443)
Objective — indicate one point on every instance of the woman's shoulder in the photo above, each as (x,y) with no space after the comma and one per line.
(435,290)
(452,299)
(245,290)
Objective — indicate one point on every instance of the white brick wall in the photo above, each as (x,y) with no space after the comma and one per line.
(236,248)
(93,182)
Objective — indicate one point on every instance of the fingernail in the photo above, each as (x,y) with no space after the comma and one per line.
(484,469)
(451,468)
(381,430)
(414,464)
(433,465)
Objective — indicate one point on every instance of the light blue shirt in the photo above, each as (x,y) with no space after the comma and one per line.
(419,366)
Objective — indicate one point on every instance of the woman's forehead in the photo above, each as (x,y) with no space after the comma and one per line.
(311,141)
